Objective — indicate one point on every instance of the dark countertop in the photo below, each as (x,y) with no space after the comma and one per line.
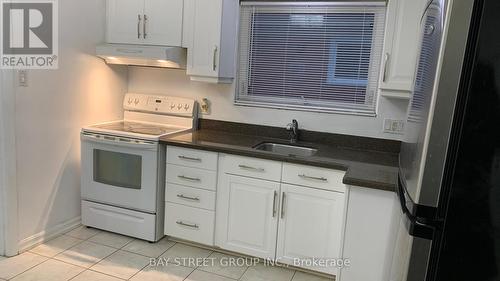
(365,168)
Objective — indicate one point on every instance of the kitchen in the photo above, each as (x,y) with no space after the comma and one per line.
(242,140)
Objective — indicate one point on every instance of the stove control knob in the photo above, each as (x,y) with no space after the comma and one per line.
(179,106)
(186,106)
(172,106)
(130,101)
(136,101)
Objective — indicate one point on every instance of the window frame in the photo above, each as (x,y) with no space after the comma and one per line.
(372,93)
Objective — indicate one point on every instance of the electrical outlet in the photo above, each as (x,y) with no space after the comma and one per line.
(205,106)
(394,126)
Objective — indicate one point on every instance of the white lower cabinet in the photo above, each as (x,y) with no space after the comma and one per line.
(310,227)
(293,224)
(189,223)
(247,218)
(191,181)
(293,214)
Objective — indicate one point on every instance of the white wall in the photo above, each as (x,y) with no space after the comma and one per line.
(8,191)
(176,83)
(49,116)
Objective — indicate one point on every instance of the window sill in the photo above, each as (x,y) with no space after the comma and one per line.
(305,108)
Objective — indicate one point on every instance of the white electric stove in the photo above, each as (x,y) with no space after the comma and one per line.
(123,165)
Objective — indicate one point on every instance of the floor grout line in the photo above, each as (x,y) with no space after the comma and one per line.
(30,267)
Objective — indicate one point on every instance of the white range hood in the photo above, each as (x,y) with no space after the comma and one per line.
(154,56)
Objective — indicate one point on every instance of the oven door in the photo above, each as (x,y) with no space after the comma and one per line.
(120,171)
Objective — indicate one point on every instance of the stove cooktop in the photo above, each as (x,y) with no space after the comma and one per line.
(135,129)
(138,128)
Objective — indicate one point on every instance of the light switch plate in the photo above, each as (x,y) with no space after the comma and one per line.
(22,76)
(393,126)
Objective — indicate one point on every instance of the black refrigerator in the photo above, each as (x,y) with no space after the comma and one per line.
(449,179)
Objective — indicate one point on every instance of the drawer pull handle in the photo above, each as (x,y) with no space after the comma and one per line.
(283,197)
(274,203)
(187,224)
(188,178)
(139,26)
(251,168)
(386,61)
(313,178)
(189,158)
(182,196)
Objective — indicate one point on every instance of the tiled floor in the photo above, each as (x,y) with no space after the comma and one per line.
(86,254)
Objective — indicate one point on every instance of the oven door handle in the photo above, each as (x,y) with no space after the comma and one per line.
(119,141)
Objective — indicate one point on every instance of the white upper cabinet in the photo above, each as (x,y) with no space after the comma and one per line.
(247,215)
(310,226)
(401,46)
(210,34)
(149,22)
(124,21)
(163,22)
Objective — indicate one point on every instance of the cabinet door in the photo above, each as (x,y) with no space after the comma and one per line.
(163,22)
(401,44)
(203,54)
(246,216)
(125,21)
(311,225)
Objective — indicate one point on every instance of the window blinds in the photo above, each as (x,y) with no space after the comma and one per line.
(322,56)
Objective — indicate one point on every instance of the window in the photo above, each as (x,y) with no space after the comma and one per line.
(320,56)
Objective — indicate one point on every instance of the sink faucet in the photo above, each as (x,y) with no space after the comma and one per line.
(293,128)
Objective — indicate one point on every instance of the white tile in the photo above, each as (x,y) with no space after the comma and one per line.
(301,276)
(222,264)
(83,232)
(185,255)
(55,246)
(121,264)
(111,239)
(13,266)
(146,248)
(50,270)
(90,275)
(168,272)
(85,254)
(199,275)
(261,272)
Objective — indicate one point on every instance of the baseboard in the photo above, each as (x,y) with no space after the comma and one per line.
(40,237)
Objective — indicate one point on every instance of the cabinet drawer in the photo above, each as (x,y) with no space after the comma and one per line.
(313,177)
(190,196)
(189,223)
(252,167)
(127,222)
(191,177)
(192,158)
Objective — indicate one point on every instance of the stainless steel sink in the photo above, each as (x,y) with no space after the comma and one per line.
(286,149)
